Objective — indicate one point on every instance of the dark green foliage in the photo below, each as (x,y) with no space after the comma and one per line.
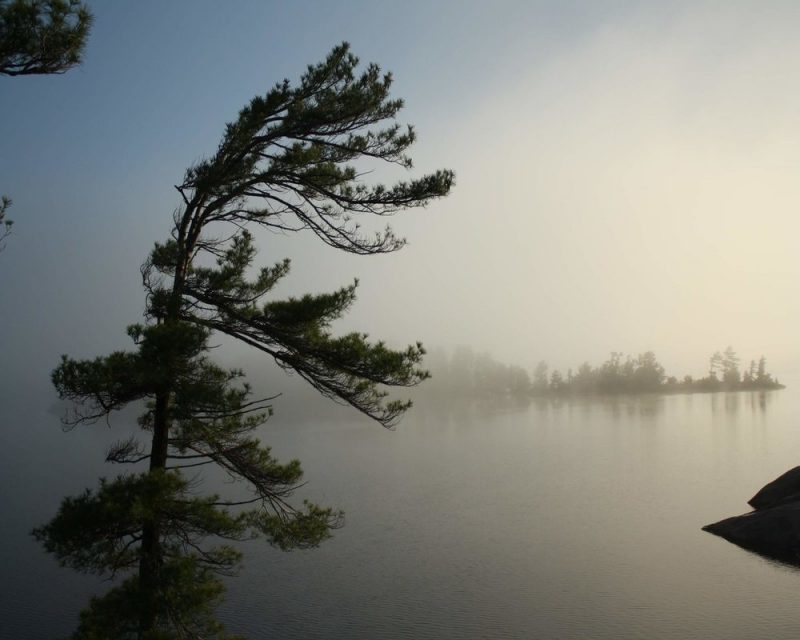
(289,150)
(5,222)
(39,37)
(284,164)
(189,594)
(111,520)
(42,36)
(295,332)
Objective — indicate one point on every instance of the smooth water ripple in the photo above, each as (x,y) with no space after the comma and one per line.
(556,520)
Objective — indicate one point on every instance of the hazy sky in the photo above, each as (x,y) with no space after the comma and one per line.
(627,173)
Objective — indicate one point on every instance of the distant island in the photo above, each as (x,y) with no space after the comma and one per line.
(479,375)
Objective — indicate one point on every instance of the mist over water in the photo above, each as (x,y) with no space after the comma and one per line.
(564,519)
(626,181)
(560,518)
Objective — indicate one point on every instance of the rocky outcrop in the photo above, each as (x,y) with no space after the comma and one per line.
(773,529)
(785,488)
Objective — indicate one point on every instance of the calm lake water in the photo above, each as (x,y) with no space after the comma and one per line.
(553,520)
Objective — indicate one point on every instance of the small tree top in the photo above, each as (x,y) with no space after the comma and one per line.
(42,36)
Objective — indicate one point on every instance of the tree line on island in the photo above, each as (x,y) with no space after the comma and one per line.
(479,375)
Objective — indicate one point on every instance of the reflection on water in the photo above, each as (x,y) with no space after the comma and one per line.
(562,517)
(616,406)
(750,401)
(557,518)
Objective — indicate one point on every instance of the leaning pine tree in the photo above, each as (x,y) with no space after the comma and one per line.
(286,163)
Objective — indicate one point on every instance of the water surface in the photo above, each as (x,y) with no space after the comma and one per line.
(565,519)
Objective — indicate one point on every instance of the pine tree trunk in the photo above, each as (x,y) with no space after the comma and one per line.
(150,558)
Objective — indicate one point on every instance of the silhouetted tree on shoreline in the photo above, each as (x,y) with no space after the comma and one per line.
(286,163)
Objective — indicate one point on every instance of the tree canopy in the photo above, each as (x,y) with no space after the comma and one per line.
(42,36)
(5,222)
(288,162)
(39,37)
